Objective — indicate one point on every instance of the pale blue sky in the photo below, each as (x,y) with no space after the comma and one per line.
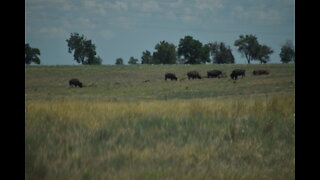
(125,28)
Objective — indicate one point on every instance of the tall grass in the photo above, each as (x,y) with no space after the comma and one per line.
(213,138)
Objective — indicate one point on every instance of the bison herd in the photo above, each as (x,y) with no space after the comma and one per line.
(218,74)
(195,75)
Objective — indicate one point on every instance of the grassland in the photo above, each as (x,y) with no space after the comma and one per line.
(123,128)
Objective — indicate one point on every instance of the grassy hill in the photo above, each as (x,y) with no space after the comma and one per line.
(120,127)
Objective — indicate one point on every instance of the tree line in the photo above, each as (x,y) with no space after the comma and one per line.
(188,51)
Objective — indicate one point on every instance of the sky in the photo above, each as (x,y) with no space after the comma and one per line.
(126,28)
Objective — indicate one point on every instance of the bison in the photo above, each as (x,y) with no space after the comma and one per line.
(75,83)
(193,75)
(214,73)
(170,76)
(260,71)
(237,72)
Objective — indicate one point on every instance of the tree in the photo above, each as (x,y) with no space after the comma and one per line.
(96,60)
(180,60)
(84,50)
(119,61)
(263,53)
(132,60)
(205,54)
(248,46)
(193,51)
(31,54)
(165,53)
(287,53)
(146,57)
(221,53)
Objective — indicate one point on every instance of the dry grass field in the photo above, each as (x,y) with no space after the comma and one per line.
(120,127)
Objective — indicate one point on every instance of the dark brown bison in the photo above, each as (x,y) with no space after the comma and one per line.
(170,76)
(237,72)
(214,73)
(75,83)
(193,75)
(260,71)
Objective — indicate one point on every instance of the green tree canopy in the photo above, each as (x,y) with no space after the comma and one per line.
(221,53)
(146,57)
(119,61)
(248,46)
(165,53)
(84,50)
(96,60)
(193,51)
(287,53)
(263,54)
(133,60)
(31,54)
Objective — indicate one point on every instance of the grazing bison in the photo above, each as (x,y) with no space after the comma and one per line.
(237,72)
(170,76)
(214,73)
(193,75)
(75,83)
(260,71)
